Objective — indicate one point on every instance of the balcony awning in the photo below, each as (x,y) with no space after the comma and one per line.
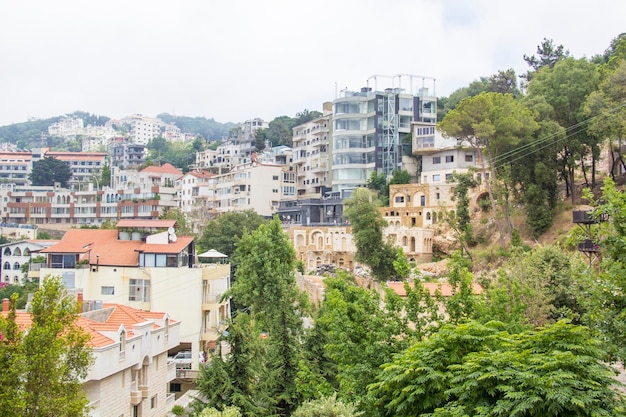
(212,254)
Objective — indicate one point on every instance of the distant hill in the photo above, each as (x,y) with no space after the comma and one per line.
(34,133)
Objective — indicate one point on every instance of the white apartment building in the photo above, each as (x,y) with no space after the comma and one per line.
(368,128)
(142,129)
(145,265)
(14,255)
(193,189)
(311,151)
(15,167)
(253,185)
(130,373)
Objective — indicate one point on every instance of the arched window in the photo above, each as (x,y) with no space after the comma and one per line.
(7,265)
(26,252)
(16,266)
(6,278)
(16,279)
(7,251)
(17,252)
(58,199)
(428,215)
(122,340)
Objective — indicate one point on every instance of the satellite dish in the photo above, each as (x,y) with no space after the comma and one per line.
(173,238)
(170,230)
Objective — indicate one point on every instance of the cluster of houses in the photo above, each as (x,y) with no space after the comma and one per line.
(146,292)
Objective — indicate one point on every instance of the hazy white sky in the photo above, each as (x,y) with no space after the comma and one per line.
(233,60)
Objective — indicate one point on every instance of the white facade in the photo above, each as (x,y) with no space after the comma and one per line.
(149,272)
(311,145)
(131,373)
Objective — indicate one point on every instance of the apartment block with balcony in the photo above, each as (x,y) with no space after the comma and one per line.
(130,374)
(15,167)
(369,127)
(128,155)
(145,265)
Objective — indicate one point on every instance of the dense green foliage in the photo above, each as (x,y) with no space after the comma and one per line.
(209,129)
(223,232)
(49,170)
(367,224)
(43,368)
(482,370)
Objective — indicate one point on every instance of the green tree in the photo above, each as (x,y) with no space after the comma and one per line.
(548,54)
(367,225)
(608,114)
(378,182)
(183,226)
(48,362)
(565,87)
(233,381)
(459,220)
(306,116)
(265,281)
(49,170)
(326,407)
(492,123)
(223,232)
(481,370)
(105,176)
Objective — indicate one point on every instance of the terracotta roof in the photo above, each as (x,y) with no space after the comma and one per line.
(444,288)
(146,223)
(104,248)
(172,247)
(77,156)
(96,242)
(166,168)
(120,315)
(202,174)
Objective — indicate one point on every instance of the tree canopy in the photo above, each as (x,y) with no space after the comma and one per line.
(50,170)
(43,368)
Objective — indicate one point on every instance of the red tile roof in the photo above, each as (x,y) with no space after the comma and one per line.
(120,315)
(163,169)
(94,242)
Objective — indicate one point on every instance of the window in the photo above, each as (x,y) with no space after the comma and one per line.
(450,158)
(436,159)
(400,199)
(153,402)
(422,200)
(438,196)
(139,290)
(448,177)
(175,387)
(436,177)
(275,177)
(469,157)
(107,290)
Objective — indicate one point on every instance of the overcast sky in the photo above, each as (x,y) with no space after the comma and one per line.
(233,60)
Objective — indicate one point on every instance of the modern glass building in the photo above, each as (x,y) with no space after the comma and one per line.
(369,127)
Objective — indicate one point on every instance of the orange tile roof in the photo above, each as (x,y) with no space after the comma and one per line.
(103,247)
(444,288)
(166,168)
(94,242)
(146,223)
(120,315)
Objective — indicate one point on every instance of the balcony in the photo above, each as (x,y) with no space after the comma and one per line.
(171,371)
(135,394)
(145,391)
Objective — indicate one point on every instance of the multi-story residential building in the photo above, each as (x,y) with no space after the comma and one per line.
(86,167)
(130,373)
(193,191)
(62,208)
(155,175)
(368,129)
(145,265)
(323,245)
(127,155)
(142,129)
(311,143)
(243,136)
(15,167)
(253,185)
(14,255)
